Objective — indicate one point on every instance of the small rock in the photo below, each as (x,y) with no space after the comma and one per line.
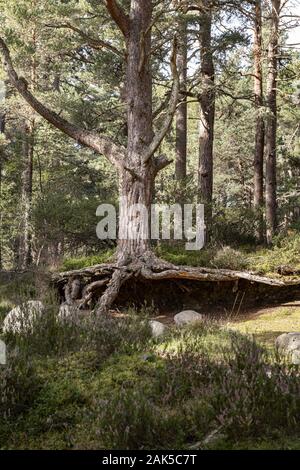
(296,357)
(157,328)
(148,357)
(21,319)
(187,316)
(2,353)
(288,342)
(68,312)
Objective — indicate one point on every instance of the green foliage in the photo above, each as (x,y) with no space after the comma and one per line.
(229,258)
(19,385)
(234,225)
(129,420)
(78,263)
(176,254)
(112,335)
(284,252)
(141,394)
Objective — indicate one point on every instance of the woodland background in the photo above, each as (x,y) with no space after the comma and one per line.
(50,187)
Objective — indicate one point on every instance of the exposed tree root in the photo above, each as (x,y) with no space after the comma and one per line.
(94,279)
(111,293)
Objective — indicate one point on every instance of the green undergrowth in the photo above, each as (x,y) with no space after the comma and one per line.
(70,264)
(285,251)
(115,387)
(106,383)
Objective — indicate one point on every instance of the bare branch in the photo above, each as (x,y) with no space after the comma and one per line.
(118,15)
(103,145)
(159,136)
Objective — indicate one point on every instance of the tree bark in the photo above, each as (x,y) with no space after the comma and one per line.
(207,116)
(136,186)
(26,194)
(2,131)
(181,113)
(260,125)
(271,131)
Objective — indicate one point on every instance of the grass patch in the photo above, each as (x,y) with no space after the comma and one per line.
(286,251)
(265,327)
(84,262)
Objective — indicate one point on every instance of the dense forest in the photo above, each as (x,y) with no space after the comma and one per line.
(231,80)
(179,103)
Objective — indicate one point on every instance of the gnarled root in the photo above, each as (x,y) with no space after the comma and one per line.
(103,283)
(120,276)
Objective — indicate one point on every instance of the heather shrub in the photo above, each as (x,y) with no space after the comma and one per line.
(19,384)
(119,334)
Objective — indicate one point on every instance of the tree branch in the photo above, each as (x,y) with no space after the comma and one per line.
(118,15)
(103,145)
(161,162)
(95,43)
(159,136)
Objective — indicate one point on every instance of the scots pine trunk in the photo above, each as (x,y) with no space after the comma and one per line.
(260,126)
(271,200)
(207,116)
(181,113)
(2,131)
(136,185)
(26,194)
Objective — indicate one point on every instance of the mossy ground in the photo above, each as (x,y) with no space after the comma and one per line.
(266,324)
(63,414)
(73,389)
(285,251)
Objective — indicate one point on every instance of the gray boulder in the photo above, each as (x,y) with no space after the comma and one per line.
(21,319)
(288,342)
(187,316)
(296,357)
(68,312)
(157,328)
(2,353)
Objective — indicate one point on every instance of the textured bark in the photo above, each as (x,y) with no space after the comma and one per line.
(26,194)
(118,15)
(136,186)
(271,200)
(181,113)
(163,270)
(260,125)
(2,131)
(207,115)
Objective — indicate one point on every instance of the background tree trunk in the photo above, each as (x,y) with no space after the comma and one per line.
(181,113)
(26,194)
(271,200)
(2,131)
(260,126)
(207,116)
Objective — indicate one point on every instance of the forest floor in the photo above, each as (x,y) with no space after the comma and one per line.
(80,397)
(265,323)
(79,387)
